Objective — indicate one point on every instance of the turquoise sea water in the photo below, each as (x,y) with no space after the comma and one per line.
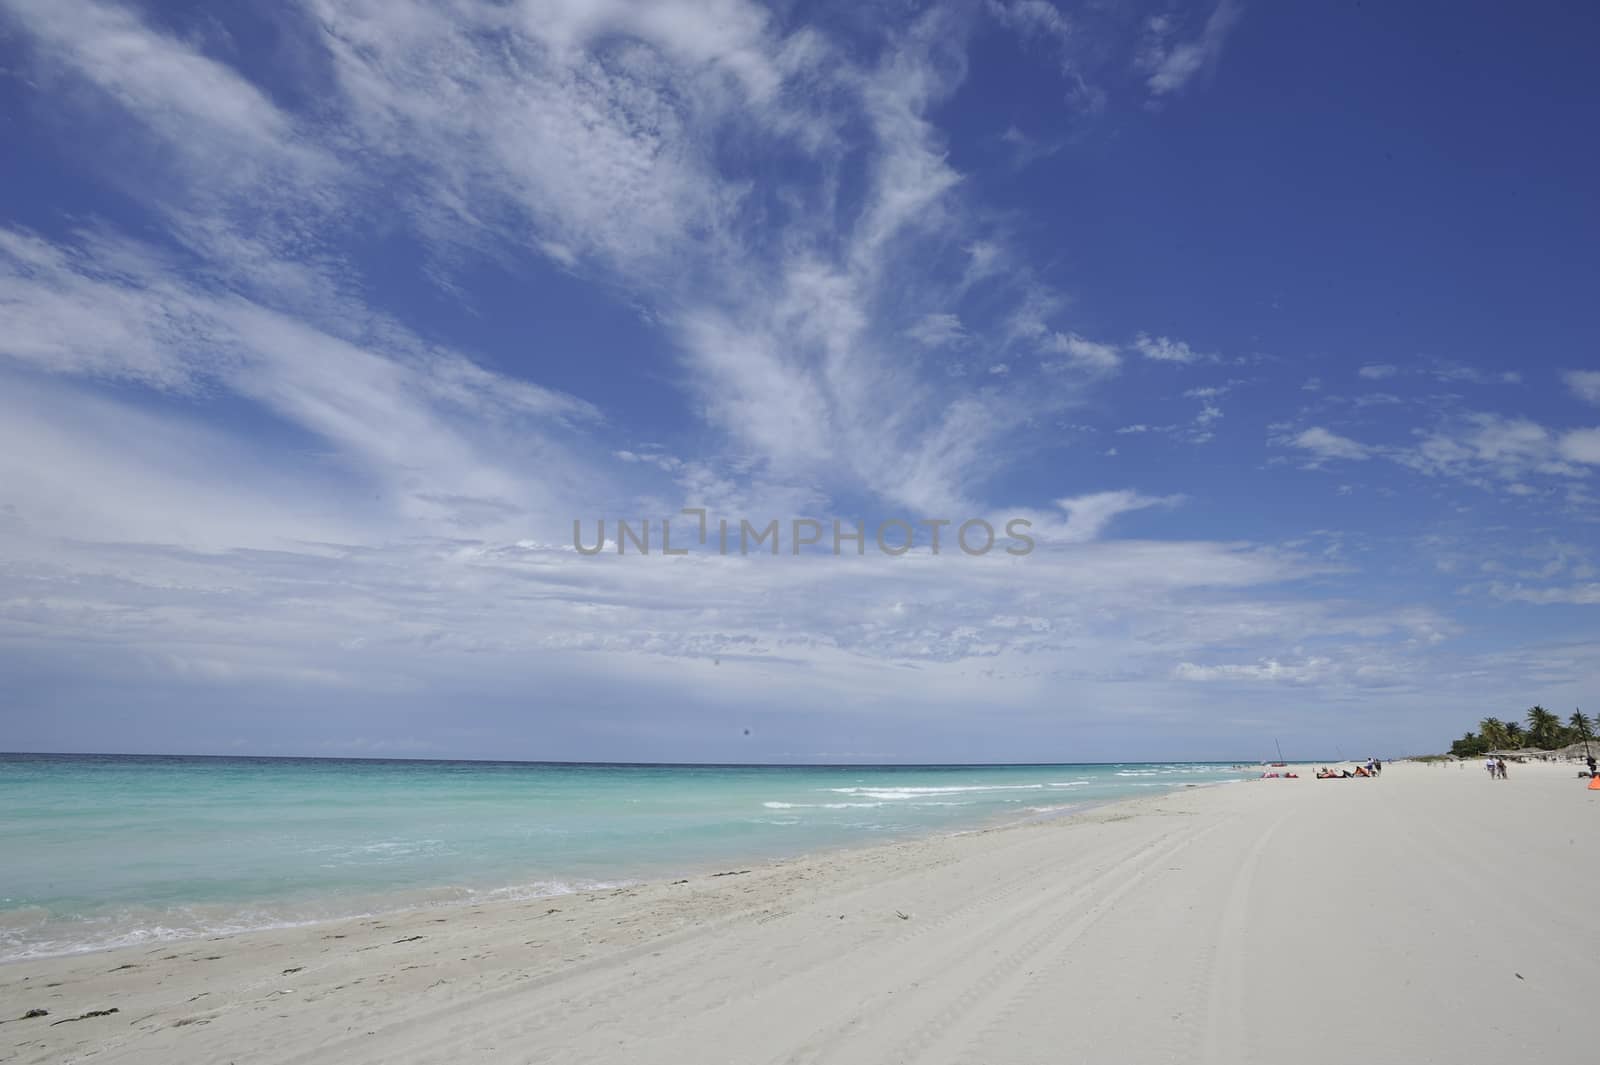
(99,850)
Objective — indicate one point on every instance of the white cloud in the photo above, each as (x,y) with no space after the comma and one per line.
(82,466)
(1581,445)
(1354,668)
(1378,371)
(1459,373)
(984,259)
(1329,445)
(1165,349)
(419,419)
(1041,21)
(1484,449)
(1587,594)
(1030,319)
(162,81)
(1031,18)
(1585,384)
(1308,671)
(585,131)
(937,330)
(1170,64)
(1089,515)
(1086,354)
(1025,149)
(499,611)
(602,158)
(1488,445)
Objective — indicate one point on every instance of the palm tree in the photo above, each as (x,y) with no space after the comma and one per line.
(1514,734)
(1494,734)
(1581,727)
(1544,728)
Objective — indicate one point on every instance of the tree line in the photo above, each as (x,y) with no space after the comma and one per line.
(1545,730)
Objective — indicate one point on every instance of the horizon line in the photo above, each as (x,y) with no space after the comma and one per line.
(627,765)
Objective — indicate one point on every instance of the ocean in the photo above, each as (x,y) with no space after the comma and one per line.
(100,851)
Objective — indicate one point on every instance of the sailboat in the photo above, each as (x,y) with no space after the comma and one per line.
(1273,767)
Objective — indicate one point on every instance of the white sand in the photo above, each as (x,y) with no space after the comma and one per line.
(1430,915)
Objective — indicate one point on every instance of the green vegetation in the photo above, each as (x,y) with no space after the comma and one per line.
(1544,731)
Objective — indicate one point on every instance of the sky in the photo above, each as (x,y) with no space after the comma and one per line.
(323,322)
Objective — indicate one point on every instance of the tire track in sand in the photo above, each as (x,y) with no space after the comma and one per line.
(963,1004)
(663,975)
(1225,1012)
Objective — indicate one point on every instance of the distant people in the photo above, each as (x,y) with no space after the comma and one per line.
(1493,768)
(1502,766)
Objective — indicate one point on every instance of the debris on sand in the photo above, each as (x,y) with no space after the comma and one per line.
(86,1016)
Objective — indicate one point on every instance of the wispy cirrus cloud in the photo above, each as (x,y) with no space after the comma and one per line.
(1031,18)
(936,330)
(1170,62)
(241,469)
(1165,349)
(605,163)
(1083,352)
(584,133)
(402,411)
(1478,447)
(1088,516)
(1579,594)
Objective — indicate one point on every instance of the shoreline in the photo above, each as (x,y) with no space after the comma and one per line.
(511,894)
(752,866)
(1199,924)
(179,925)
(620,765)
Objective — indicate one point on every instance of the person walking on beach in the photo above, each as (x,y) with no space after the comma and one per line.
(1494,770)
(1502,769)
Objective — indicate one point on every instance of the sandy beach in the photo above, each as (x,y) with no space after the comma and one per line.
(1430,915)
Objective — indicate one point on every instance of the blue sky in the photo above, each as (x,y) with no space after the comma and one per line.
(321,322)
